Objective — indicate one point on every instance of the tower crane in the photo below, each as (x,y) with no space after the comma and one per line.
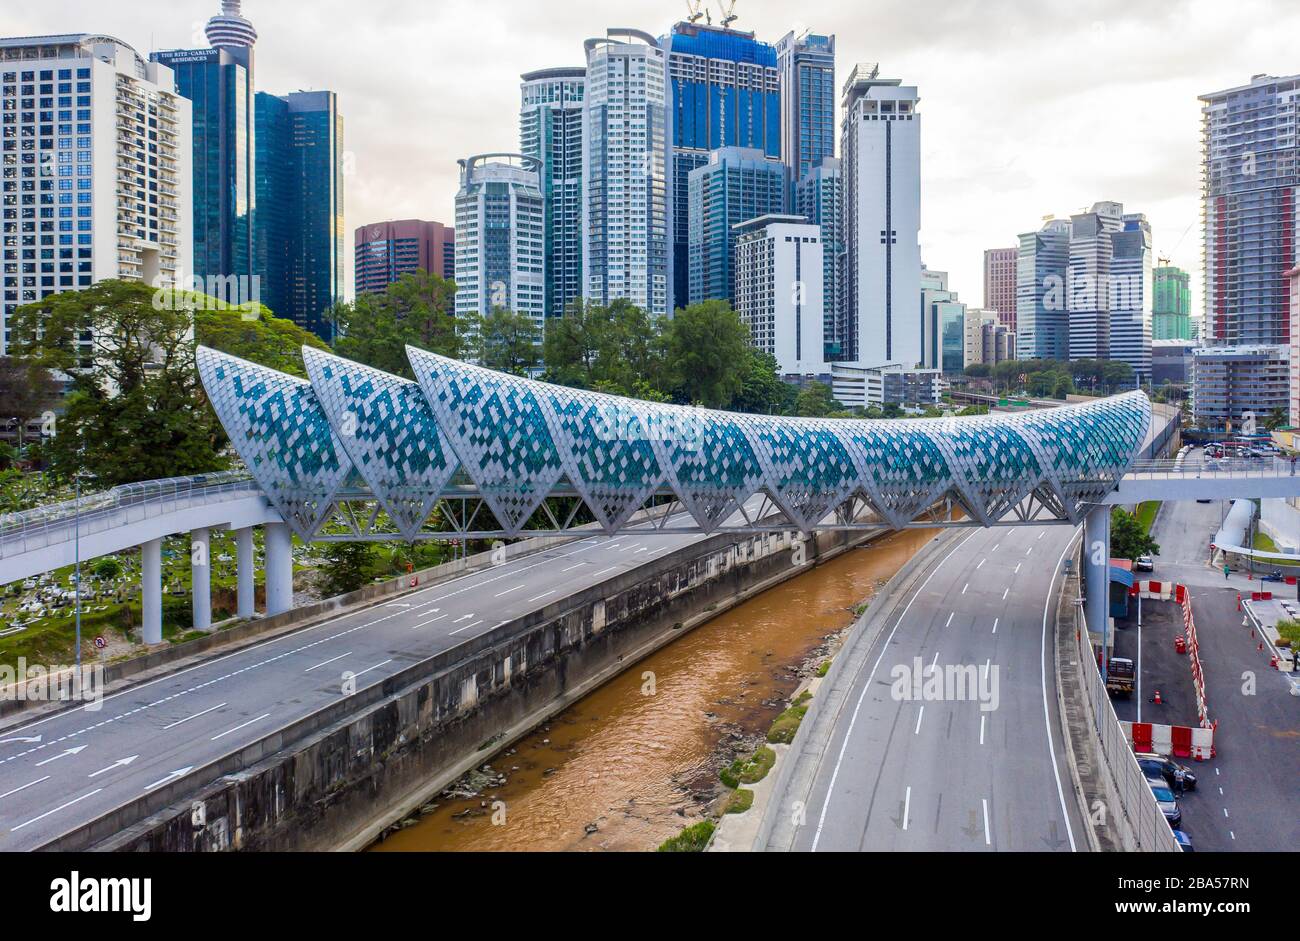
(728,10)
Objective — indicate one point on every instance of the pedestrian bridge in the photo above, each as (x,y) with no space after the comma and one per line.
(354,454)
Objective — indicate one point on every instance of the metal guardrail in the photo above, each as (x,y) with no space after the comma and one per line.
(45,526)
(1220,470)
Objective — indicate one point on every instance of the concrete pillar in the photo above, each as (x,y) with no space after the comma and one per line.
(151,590)
(1096,572)
(201,578)
(246,564)
(279,569)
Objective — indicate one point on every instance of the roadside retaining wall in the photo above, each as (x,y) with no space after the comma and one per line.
(336,779)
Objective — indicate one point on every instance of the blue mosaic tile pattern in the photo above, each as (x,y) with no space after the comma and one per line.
(389,431)
(278,427)
(518,440)
(497,427)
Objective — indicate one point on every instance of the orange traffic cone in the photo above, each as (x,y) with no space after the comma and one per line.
(1158,701)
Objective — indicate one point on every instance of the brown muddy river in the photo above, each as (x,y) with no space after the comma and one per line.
(638,758)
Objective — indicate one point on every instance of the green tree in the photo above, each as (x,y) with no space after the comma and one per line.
(704,347)
(979,371)
(417,310)
(816,401)
(507,342)
(349,567)
(762,391)
(615,348)
(137,411)
(26,392)
(255,335)
(107,569)
(1129,539)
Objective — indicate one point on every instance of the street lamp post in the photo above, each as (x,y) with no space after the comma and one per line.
(77,554)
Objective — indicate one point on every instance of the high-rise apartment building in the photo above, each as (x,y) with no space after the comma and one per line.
(806,62)
(94,169)
(779,291)
(882,206)
(1001,272)
(298,230)
(1171,313)
(1233,383)
(1088,298)
(1042,319)
(724,91)
(218,82)
(501,237)
(550,130)
(1251,157)
(819,198)
(626,251)
(736,185)
(384,251)
(1132,293)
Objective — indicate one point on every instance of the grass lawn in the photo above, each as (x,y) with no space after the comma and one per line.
(1264,543)
(1147,514)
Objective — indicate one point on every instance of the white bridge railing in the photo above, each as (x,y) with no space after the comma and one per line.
(45,526)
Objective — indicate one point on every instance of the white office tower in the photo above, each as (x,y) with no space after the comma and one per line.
(550,129)
(881,139)
(624,179)
(500,225)
(96,156)
(1132,295)
(779,291)
(1088,297)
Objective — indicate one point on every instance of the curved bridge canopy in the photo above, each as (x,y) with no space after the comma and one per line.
(353,436)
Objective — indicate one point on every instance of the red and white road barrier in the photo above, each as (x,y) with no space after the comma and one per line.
(1176,741)
(1184,598)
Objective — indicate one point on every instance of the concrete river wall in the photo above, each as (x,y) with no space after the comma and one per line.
(337,779)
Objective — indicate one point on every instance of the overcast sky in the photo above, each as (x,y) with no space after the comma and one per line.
(1030,107)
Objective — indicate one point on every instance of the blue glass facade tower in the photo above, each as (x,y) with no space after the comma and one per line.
(819,198)
(737,185)
(299,239)
(724,91)
(219,84)
(807,66)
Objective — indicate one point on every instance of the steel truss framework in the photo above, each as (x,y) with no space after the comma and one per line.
(354,454)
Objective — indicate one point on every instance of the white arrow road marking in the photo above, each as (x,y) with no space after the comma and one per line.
(113,767)
(71,751)
(167,780)
(24,787)
(195,716)
(239,727)
(468,627)
(51,813)
(22,741)
(468,617)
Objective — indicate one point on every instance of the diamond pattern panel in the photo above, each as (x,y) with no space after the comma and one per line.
(809,470)
(498,428)
(278,427)
(901,468)
(389,431)
(708,458)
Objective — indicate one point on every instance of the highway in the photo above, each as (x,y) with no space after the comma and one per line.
(984,774)
(68,769)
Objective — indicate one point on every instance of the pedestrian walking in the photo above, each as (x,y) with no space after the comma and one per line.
(1227,573)
(1180,782)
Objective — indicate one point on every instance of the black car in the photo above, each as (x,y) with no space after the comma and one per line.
(1162,768)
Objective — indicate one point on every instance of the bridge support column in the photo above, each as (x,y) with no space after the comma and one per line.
(279,569)
(1096,569)
(245,564)
(201,578)
(151,591)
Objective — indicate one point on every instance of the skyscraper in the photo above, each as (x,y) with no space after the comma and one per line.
(882,205)
(736,185)
(387,250)
(1089,296)
(500,237)
(1171,311)
(625,251)
(95,150)
(1042,320)
(550,130)
(298,240)
(806,63)
(1000,271)
(1132,292)
(219,83)
(1251,157)
(725,91)
(819,198)
(778,291)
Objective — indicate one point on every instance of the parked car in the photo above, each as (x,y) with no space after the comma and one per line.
(1159,767)
(1184,841)
(1168,803)
(1145,564)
